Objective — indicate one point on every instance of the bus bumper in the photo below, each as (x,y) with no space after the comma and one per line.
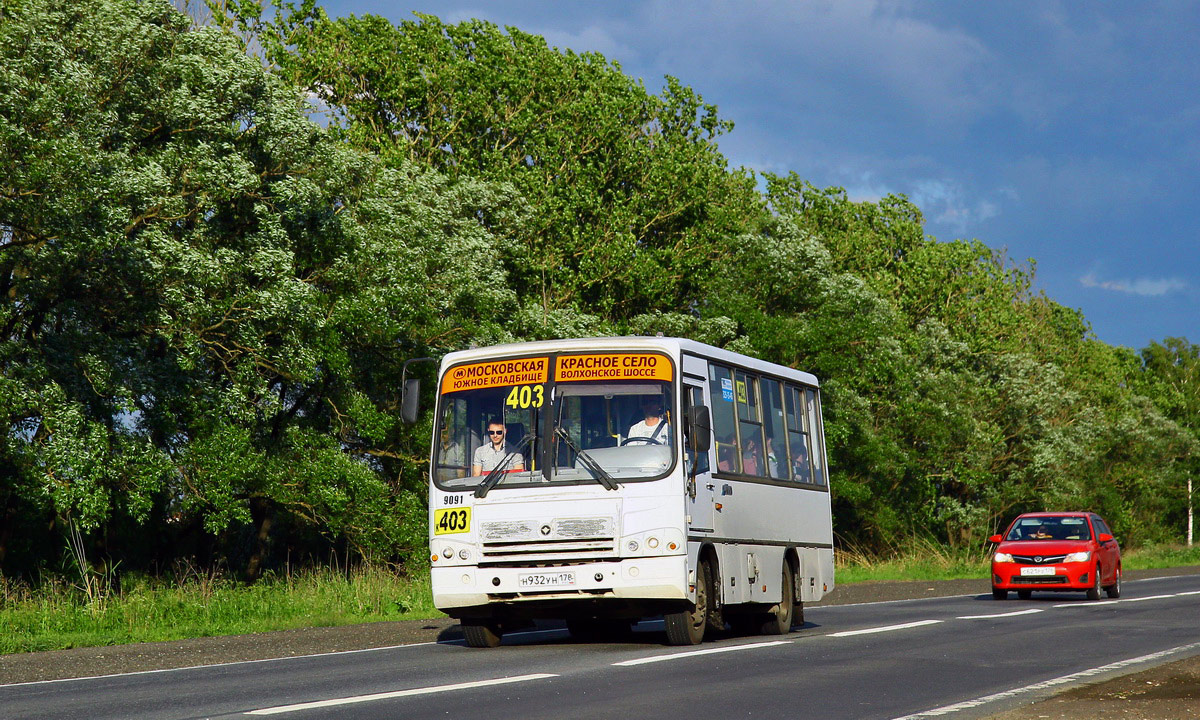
(657,578)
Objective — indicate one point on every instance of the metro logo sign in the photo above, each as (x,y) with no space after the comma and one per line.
(613,366)
(499,373)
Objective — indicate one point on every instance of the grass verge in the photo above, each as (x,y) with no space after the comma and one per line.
(58,615)
(924,560)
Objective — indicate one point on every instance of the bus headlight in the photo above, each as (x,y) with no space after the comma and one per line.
(660,541)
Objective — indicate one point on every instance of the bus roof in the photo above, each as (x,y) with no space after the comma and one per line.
(670,345)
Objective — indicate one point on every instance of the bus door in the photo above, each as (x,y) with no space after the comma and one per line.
(699,481)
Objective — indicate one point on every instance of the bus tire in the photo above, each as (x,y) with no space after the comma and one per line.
(686,627)
(482,633)
(779,619)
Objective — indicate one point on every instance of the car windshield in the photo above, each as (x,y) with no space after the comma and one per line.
(1049,528)
(505,424)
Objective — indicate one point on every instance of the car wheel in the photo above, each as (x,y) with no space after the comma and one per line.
(1114,590)
(1024,594)
(686,627)
(1093,592)
(481,633)
(998,594)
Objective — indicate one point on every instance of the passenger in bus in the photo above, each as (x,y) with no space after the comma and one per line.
(775,464)
(654,425)
(800,470)
(496,452)
(725,456)
(450,455)
(751,457)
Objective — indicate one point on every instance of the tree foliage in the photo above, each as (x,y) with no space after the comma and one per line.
(209,286)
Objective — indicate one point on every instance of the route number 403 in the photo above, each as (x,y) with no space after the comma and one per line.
(456,520)
(526,396)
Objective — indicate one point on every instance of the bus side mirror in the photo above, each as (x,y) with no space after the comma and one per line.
(410,403)
(410,393)
(699,427)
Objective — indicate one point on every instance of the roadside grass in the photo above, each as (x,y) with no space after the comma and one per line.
(914,559)
(926,560)
(1153,557)
(58,615)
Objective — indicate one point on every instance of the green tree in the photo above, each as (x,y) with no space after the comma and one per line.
(630,200)
(205,297)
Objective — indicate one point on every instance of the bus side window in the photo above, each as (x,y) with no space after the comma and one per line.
(817,445)
(799,445)
(724,418)
(693,397)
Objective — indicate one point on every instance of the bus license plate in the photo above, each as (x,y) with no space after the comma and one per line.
(547,580)
(1036,571)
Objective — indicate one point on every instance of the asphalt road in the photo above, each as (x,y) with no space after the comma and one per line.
(963,656)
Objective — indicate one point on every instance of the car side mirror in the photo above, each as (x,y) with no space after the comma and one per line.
(994,539)
(699,427)
(1105,537)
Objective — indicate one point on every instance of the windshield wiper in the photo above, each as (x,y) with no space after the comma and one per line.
(493,478)
(601,474)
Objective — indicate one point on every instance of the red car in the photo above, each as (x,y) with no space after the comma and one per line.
(1065,551)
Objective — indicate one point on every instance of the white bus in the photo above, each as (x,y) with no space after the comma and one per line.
(555,493)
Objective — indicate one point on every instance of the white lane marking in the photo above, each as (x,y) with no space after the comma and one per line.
(1140,599)
(1192,592)
(397,694)
(695,653)
(1046,684)
(1015,613)
(217,665)
(887,628)
(1090,603)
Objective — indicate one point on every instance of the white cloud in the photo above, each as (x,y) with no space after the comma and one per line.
(1142,286)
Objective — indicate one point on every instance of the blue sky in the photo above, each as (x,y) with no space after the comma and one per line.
(1068,133)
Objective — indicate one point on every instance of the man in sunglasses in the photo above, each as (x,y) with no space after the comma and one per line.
(492,454)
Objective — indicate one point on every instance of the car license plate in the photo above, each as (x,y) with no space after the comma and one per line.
(546,580)
(1037,571)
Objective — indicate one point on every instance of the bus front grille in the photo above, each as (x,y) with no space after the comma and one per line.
(549,551)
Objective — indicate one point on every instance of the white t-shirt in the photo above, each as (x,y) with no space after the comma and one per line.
(660,431)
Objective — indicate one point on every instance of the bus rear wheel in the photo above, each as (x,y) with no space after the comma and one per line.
(482,633)
(779,619)
(686,627)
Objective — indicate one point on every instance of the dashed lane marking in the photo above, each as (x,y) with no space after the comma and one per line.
(695,653)
(886,628)
(397,694)
(1046,684)
(1030,611)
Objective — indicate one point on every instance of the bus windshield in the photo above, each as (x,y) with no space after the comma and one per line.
(599,428)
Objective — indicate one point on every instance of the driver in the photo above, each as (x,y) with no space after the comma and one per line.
(488,456)
(654,426)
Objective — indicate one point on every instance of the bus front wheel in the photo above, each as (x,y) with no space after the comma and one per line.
(686,627)
(481,633)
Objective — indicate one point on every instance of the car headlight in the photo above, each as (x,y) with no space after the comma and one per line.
(1002,557)
(1079,556)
